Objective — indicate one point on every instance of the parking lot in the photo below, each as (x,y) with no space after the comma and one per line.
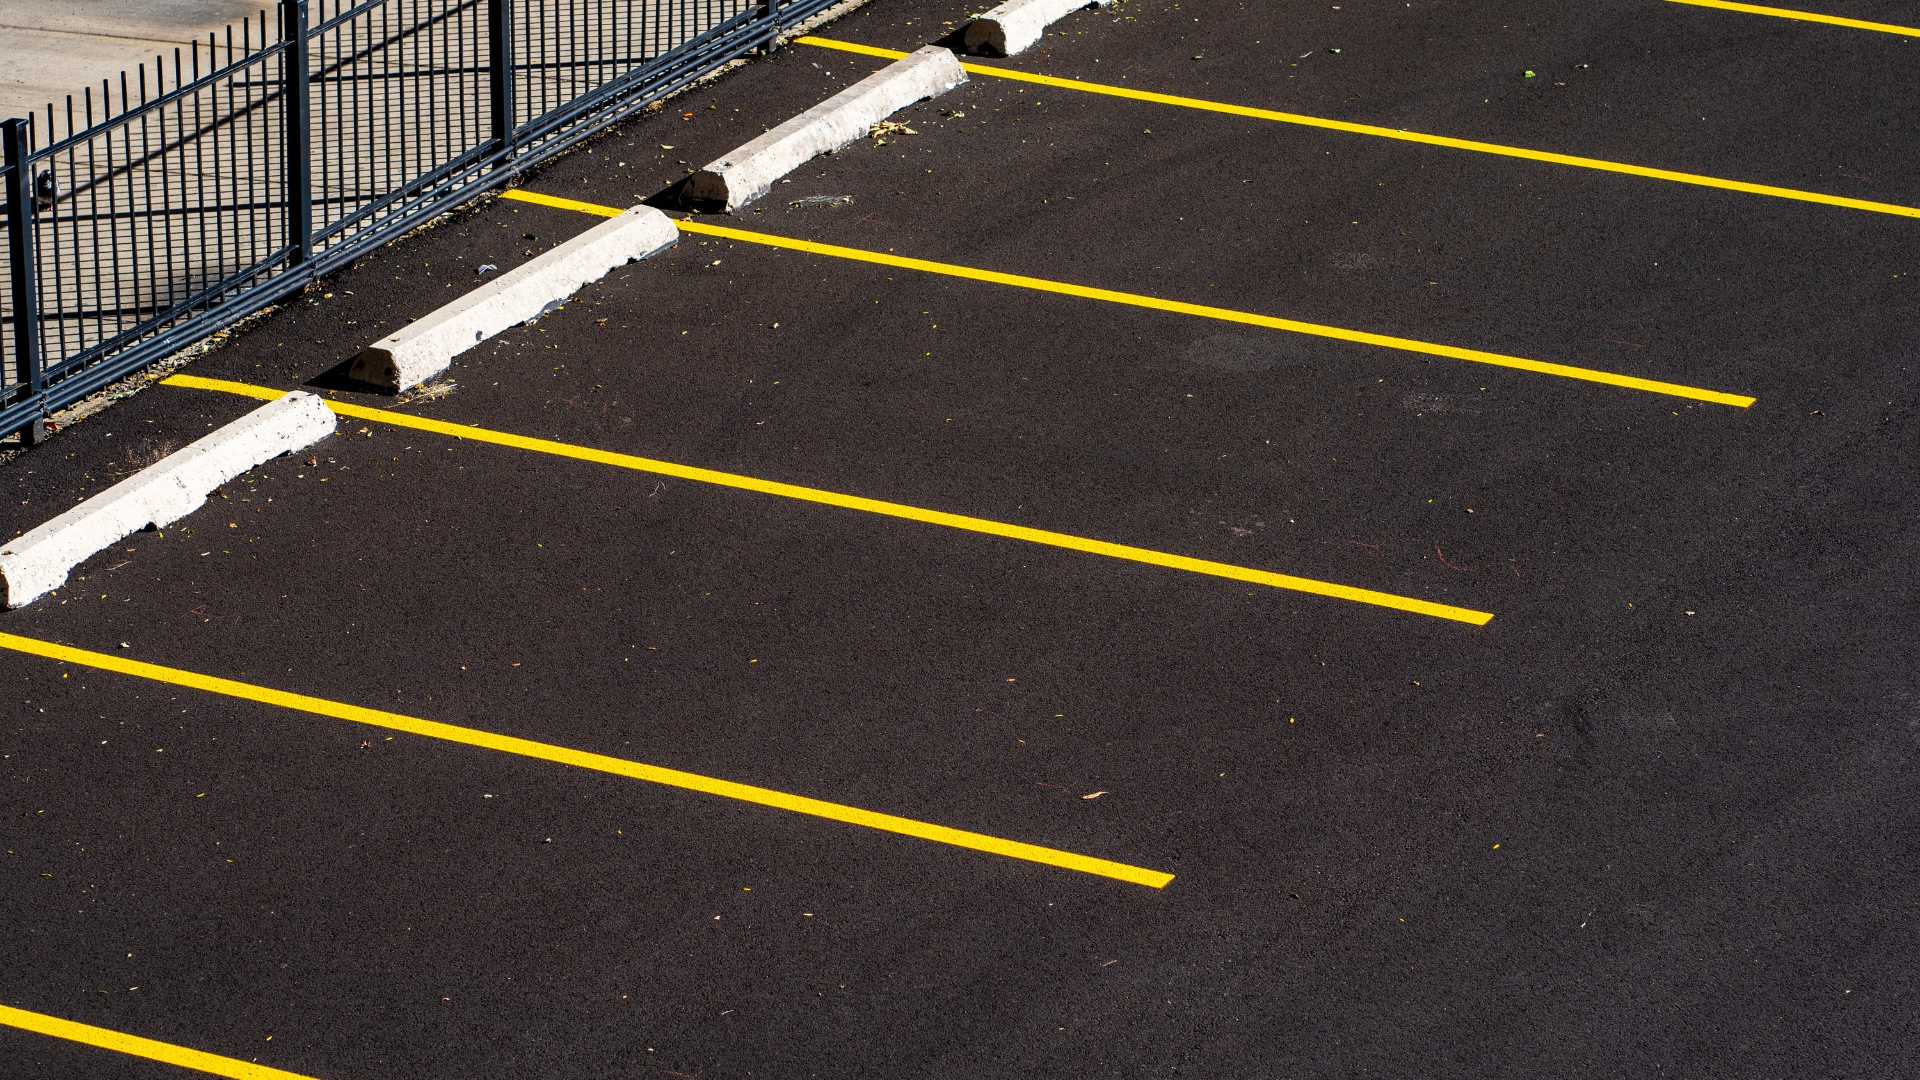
(1094,586)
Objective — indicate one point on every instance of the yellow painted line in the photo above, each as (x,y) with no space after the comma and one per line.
(134,1045)
(558,203)
(1404,135)
(871,506)
(507,744)
(1204,311)
(1804,16)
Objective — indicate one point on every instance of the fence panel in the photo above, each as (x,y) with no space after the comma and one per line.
(400,107)
(156,215)
(177,202)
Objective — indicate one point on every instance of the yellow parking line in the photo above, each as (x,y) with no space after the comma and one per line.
(871,506)
(1404,135)
(558,203)
(562,755)
(134,1045)
(1180,307)
(1804,16)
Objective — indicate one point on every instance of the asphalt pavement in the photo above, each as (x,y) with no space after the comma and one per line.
(1656,817)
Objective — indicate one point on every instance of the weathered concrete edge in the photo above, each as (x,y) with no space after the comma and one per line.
(750,171)
(38,561)
(424,348)
(1015,25)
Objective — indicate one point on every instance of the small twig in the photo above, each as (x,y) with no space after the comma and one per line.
(1445,563)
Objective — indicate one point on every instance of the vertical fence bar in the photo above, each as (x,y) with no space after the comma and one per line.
(23,273)
(500,74)
(295,105)
(773,24)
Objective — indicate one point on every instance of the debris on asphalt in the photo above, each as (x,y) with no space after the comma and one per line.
(879,131)
(1095,795)
(822,200)
(428,391)
(481,270)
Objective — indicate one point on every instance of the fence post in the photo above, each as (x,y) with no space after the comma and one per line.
(297,128)
(21,270)
(500,74)
(773,25)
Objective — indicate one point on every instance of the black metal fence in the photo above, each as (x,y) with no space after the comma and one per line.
(293,146)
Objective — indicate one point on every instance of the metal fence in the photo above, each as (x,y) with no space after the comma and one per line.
(295,145)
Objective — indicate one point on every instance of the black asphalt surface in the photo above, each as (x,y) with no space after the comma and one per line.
(1657,818)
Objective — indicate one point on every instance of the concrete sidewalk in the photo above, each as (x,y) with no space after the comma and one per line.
(56,49)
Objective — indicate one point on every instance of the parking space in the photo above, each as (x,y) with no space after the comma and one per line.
(1091,586)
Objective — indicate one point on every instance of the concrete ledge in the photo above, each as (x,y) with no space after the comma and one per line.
(748,172)
(159,495)
(1017,24)
(424,348)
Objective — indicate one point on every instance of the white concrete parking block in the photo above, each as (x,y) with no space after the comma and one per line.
(37,562)
(424,348)
(748,172)
(1016,24)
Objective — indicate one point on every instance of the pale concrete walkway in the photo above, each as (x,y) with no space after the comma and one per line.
(57,47)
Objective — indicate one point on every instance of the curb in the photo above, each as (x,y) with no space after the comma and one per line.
(161,494)
(1017,24)
(426,347)
(751,170)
